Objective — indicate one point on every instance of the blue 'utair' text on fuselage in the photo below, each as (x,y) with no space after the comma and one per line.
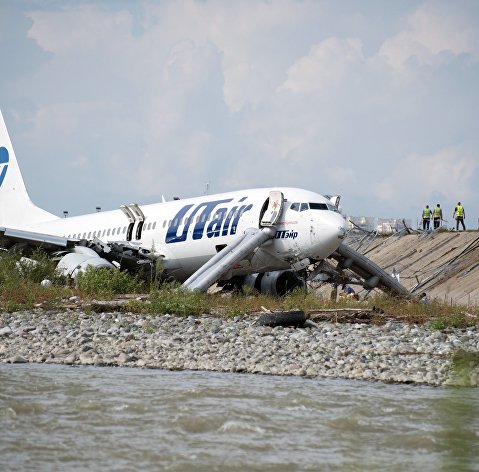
(224,222)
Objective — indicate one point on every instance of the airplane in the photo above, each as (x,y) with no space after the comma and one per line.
(274,232)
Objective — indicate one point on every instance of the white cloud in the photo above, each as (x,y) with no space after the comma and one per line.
(80,28)
(433,29)
(416,178)
(325,65)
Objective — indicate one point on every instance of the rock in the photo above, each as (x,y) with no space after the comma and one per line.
(123,358)
(70,359)
(392,352)
(7,331)
(18,360)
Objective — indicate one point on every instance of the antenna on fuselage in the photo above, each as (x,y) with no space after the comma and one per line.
(207,188)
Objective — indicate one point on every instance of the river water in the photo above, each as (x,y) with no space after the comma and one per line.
(60,418)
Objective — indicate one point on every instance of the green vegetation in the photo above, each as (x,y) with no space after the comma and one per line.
(20,288)
(464,364)
(15,269)
(101,282)
(20,281)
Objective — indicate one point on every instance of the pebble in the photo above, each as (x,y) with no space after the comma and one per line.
(393,352)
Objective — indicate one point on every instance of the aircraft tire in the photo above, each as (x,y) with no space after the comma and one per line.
(283,318)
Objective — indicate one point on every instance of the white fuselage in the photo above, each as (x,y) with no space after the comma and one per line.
(189,232)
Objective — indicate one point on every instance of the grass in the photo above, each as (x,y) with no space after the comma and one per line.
(102,282)
(20,289)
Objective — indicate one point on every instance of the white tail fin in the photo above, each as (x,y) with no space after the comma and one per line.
(16,208)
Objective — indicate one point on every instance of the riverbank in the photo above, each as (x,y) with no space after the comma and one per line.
(392,352)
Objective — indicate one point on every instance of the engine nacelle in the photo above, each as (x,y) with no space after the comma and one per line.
(277,283)
(74,262)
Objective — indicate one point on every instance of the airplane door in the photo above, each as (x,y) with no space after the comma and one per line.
(273,211)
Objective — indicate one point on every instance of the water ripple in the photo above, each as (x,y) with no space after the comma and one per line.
(55,418)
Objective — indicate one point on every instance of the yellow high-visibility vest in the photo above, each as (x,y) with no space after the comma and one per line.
(459,211)
(437,213)
(426,214)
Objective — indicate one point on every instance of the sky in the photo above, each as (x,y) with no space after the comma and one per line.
(113,102)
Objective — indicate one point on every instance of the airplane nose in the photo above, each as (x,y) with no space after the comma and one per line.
(330,232)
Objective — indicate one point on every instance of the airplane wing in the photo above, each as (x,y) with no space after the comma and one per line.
(128,256)
(10,236)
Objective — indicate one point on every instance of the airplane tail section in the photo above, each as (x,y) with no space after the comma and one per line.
(16,208)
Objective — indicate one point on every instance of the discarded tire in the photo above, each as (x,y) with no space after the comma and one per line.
(283,318)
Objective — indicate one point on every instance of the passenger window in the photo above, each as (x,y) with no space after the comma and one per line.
(89,234)
(154,225)
(113,231)
(108,232)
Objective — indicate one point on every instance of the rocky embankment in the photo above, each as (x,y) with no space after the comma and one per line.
(393,352)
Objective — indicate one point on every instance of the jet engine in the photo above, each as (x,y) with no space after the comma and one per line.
(74,262)
(277,283)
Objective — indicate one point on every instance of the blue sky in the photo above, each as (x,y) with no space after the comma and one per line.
(117,102)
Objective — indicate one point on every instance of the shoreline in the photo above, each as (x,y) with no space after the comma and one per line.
(393,352)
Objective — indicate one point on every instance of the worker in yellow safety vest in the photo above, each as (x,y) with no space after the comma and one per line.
(437,216)
(460,216)
(426,218)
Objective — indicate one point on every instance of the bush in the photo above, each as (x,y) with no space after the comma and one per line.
(102,282)
(40,266)
(16,270)
(9,273)
(174,299)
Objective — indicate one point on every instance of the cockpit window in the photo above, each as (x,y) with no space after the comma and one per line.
(312,206)
(323,206)
(318,206)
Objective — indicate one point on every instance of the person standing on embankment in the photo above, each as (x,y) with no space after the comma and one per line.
(437,216)
(460,215)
